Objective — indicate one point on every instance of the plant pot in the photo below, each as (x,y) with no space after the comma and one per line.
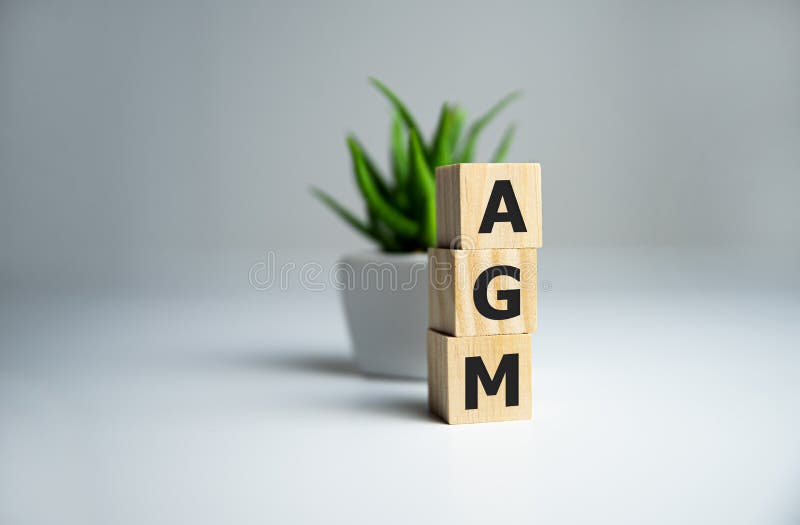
(386,303)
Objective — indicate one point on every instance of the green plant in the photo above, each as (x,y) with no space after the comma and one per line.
(401,213)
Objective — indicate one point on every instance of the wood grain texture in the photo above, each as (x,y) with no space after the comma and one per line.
(448,378)
(462,196)
(452,274)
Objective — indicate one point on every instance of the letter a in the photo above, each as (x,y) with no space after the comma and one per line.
(502,191)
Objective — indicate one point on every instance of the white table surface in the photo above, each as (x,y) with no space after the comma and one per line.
(666,390)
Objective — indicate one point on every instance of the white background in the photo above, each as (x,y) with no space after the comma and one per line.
(151,152)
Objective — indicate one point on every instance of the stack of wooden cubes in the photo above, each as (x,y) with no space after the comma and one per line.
(482,291)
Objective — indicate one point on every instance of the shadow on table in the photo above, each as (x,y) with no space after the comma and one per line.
(313,363)
(413,409)
(324,363)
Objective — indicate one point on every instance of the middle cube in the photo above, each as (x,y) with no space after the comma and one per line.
(482,292)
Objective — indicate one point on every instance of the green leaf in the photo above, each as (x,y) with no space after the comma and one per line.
(383,209)
(424,184)
(441,147)
(374,231)
(343,212)
(472,136)
(388,240)
(399,153)
(459,117)
(398,105)
(505,143)
(440,124)
(412,189)
(373,170)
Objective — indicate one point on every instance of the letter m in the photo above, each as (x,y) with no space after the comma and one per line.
(475,370)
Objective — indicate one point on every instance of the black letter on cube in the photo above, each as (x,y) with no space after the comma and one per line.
(475,369)
(480,291)
(502,191)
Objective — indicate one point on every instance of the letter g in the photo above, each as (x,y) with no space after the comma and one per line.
(511,297)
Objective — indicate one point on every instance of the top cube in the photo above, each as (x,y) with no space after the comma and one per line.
(489,206)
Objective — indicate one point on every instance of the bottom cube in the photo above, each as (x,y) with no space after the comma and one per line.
(479,379)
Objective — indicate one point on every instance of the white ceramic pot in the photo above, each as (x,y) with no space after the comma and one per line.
(386,302)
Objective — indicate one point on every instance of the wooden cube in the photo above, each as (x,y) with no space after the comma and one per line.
(482,292)
(479,379)
(489,206)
